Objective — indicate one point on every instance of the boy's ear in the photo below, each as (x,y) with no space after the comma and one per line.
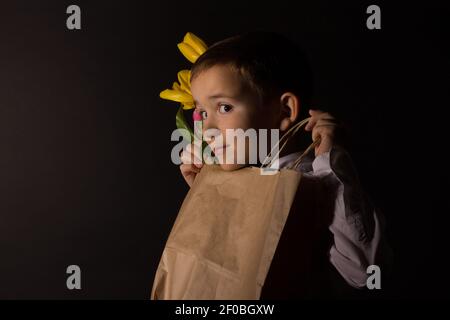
(290,109)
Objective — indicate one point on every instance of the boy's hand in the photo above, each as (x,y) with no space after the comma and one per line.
(189,168)
(323,126)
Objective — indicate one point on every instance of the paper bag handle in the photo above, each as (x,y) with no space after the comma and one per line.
(287,136)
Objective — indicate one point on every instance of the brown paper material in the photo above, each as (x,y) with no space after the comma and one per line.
(225,235)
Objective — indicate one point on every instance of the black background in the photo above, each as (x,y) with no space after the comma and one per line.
(85,170)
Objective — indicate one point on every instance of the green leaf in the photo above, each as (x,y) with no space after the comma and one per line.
(182,124)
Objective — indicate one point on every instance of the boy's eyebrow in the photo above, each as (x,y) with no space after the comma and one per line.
(219,95)
(216,96)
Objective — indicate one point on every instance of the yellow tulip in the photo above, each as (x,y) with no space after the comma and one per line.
(188,52)
(176,86)
(176,95)
(192,47)
(184,79)
(187,106)
(195,42)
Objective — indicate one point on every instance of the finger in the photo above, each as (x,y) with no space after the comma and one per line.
(325,123)
(329,120)
(188,173)
(190,157)
(323,130)
(314,112)
(328,126)
(316,115)
(188,169)
(324,146)
(315,135)
(187,157)
(193,169)
(311,123)
(196,150)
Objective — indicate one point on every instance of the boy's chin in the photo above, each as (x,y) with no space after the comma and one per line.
(231,167)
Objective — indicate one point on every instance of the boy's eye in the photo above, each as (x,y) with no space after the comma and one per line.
(203,114)
(224,108)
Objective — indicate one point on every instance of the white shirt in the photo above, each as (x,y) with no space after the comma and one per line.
(356,225)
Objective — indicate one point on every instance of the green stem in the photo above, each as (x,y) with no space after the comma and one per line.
(182,124)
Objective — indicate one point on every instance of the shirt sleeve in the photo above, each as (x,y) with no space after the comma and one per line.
(357,227)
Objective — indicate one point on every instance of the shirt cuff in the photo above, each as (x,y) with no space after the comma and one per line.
(321,163)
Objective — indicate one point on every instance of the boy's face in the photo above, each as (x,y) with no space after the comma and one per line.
(225,102)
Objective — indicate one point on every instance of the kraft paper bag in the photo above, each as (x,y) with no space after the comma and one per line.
(225,235)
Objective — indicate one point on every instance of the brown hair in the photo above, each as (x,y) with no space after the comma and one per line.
(269,63)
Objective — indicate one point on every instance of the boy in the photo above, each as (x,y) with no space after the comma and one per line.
(261,80)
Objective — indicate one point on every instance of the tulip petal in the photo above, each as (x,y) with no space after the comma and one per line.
(188,52)
(184,77)
(195,42)
(188,106)
(176,95)
(176,86)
